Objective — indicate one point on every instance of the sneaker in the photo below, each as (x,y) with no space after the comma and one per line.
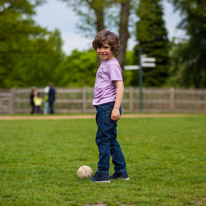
(100,177)
(118,175)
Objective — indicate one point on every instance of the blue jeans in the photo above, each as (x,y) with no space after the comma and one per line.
(51,106)
(106,140)
(46,104)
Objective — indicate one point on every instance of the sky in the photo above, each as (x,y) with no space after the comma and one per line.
(56,14)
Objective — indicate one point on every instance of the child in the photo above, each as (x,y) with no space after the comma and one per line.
(37,103)
(108,93)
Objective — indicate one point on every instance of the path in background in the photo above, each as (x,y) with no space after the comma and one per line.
(56,117)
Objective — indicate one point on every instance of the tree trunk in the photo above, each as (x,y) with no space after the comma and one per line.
(99,11)
(123,31)
(100,19)
(98,7)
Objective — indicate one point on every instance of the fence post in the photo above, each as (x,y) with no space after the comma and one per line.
(131,99)
(172,99)
(12,101)
(84,99)
(205,102)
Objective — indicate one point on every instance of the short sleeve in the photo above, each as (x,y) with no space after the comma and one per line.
(115,73)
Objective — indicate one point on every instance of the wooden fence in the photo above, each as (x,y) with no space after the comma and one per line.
(78,100)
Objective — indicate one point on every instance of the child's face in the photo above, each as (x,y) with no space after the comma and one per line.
(105,52)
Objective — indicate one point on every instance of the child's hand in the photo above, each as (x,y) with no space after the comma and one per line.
(115,114)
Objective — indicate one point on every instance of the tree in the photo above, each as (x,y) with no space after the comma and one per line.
(192,53)
(128,75)
(151,35)
(123,30)
(177,66)
(27,51)
(41,66)
(93,13)
(78,69)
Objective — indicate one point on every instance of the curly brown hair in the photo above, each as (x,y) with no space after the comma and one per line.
(106,36)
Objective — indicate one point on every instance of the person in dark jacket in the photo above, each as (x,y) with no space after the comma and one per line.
(52,94)
(32,94)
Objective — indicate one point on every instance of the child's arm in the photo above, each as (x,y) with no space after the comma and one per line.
(119,94)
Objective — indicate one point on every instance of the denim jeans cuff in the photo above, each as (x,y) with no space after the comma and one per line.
(103,172)
(121,171)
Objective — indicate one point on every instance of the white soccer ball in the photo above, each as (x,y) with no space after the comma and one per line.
(84,172)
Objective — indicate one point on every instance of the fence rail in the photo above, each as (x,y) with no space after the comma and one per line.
(78,100)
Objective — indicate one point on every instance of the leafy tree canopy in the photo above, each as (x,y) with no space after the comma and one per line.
(192,53)
(78,69)
(152,39)
(26,50)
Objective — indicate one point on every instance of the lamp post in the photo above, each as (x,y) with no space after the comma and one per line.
(140,81)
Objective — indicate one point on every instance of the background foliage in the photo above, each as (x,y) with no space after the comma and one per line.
(32,55)
(151,35)
(29,54)
(78,69)
(190,54)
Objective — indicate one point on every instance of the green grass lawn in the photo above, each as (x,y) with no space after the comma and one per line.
(166,162)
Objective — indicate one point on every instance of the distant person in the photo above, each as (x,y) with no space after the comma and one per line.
(37,103)
(108,93)
(46,100)
(32,94)
(52,94)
